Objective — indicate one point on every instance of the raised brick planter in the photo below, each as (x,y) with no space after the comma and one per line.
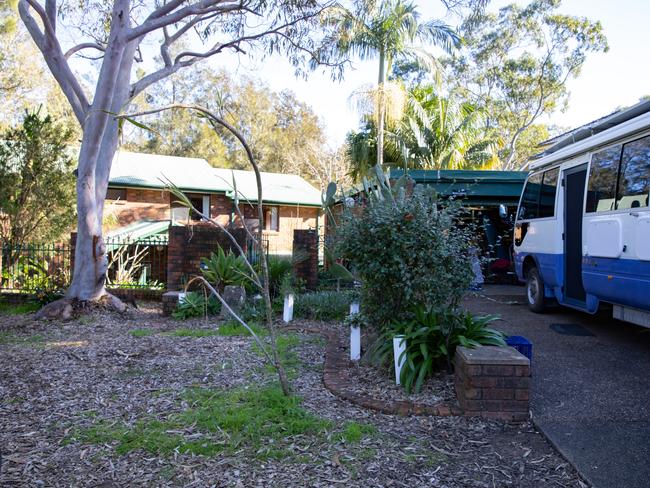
(493,382)
(337,380)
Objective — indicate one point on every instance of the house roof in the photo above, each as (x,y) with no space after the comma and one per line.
(194,174)
(276,187)
(475,187)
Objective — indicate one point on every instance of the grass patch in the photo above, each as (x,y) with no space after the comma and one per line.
(288,357)
(354,432)
(7,338)
(232,329)
(7,308)
(142,332)
(261,422)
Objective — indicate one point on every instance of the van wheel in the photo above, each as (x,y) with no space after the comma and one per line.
(535,291)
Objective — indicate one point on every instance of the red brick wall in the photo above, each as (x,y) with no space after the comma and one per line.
(220,208)
(290,218)
(305,245)
(188,244)
(139,205)
(142,204)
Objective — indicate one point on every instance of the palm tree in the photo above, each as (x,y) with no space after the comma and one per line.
(435,132)
(438,132)
(387,30)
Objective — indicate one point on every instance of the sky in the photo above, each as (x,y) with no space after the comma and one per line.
(608,80)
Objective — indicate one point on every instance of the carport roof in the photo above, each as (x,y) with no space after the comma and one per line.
(475,187)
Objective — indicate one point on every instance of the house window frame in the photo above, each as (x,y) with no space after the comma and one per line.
(272,218)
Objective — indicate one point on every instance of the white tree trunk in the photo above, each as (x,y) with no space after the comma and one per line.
(98,146)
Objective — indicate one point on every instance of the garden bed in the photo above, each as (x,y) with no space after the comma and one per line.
(106,400)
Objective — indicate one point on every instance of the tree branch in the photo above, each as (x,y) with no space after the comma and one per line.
(84,45)
(158,21)
(49,45)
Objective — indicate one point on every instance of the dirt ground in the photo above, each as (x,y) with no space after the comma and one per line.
(61,381)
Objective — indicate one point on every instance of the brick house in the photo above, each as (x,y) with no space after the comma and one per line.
(137,193)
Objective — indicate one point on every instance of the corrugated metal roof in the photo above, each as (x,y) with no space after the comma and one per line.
(276,187)
(137,231)
(476,187)
(195,174)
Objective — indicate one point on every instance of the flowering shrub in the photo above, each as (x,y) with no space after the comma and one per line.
(407,249)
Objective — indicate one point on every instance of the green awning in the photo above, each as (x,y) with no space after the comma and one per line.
(484,188)
(149,231)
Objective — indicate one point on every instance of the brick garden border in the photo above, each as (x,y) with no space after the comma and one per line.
(337,380)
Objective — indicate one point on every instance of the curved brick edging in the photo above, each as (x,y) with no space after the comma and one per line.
(336,379)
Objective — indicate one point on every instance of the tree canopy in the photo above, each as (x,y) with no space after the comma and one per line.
(516,63)
(36,180)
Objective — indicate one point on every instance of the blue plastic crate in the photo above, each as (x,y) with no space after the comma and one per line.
(521,344)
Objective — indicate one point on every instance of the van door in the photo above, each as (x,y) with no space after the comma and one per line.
(574,192)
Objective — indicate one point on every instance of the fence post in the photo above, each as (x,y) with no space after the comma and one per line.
(73,245)
(1,251)
(305,261)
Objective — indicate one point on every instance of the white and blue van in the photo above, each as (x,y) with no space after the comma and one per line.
(582,232)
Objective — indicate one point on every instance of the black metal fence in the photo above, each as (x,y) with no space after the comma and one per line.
(253,252)
(137,263)
(32,268)
(132,264)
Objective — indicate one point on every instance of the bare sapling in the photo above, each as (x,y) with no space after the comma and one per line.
(262,283)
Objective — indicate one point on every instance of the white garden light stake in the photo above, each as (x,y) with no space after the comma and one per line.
(399,346)
(287,315)
(354,308)
(355,343)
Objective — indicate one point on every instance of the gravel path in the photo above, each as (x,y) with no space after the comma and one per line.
(59,377)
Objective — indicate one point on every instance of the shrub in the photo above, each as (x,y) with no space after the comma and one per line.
(196,304)
(432,337)
(323,305)
(222,269)
(407,250)
(280,268)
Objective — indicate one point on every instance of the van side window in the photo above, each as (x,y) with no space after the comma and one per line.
(601,194)
(634,182)
(529,208)
(547,198)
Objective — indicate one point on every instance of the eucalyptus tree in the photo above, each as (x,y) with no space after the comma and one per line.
(388,30)
(516,63)
(121,33)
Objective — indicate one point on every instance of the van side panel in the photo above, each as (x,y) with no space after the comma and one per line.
(619,281)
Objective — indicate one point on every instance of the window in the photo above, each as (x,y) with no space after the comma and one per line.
(272,220)
(116,194)
(201,203)
(601,193)
(529,207)
(634,181)
(547,197)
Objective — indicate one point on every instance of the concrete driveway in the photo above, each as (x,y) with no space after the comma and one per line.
(591,392)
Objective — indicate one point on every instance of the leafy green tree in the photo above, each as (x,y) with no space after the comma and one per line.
(36,181)
(516,64)
(387,30)
(435,132)
(284,133)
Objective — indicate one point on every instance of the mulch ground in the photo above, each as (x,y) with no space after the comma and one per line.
(58,377)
